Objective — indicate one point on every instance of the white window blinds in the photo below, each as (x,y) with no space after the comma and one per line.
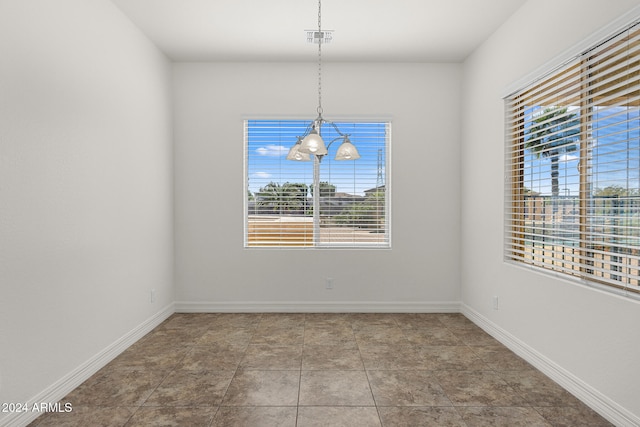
(353,197)
(573,167)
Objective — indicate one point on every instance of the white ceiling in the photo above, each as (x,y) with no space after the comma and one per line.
(364,30)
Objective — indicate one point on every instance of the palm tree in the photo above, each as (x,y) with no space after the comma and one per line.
(554,132)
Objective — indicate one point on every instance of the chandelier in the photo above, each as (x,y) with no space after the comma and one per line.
(311,142)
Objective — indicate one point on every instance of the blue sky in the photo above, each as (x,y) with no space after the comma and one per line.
(269,141)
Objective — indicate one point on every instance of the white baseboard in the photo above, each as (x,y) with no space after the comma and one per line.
(597,401)
(73,379)
(317,307)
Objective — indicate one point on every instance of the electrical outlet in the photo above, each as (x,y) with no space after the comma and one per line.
(495,302)
(328,283)
(153,295)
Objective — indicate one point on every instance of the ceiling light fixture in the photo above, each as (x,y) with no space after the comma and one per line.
(311,142)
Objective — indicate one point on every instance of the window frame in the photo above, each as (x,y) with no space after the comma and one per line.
(384,242)
(516,209)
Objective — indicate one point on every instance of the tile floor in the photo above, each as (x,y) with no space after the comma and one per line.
(320,370)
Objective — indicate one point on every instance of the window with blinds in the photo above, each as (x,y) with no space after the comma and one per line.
(353,197)
(573,168)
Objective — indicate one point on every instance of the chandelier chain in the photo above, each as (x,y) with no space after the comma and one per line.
(320,40)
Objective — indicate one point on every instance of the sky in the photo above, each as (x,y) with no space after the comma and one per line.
(269,141)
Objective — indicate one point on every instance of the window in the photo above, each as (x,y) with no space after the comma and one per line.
(353,198)
(573,168)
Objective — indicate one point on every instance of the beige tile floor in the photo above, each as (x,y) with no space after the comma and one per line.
(320,370)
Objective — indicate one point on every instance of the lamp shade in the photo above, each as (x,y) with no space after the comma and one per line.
(313,144)
(296,154)
(347,151)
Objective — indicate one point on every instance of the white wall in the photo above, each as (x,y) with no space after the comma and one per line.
(212,268)
(587,333)
(85,187)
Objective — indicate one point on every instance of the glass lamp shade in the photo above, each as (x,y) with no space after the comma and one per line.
(347,151)
(313,144)
(296,154)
